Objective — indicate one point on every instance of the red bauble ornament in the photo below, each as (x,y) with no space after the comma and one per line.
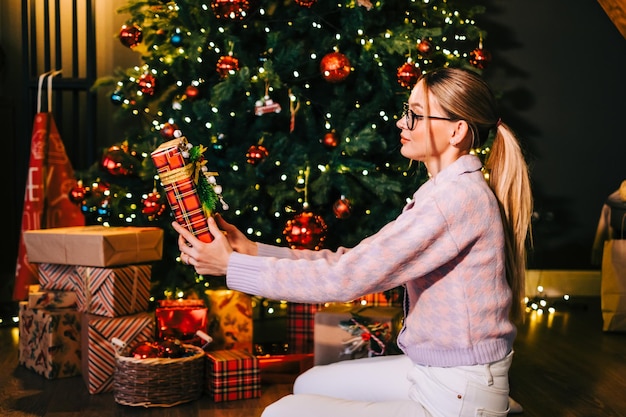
(480,58)
(230,9)
(171,349)
(78,193)
(192,92)
(117,162)
(330,140)
(256,154)
(130,36)
(168,131)
(145,350)
(305,3)
(335,67)
(305,231)
(342,208)
(425,47)
(408,74)
(153,206)
(147,84)
(226,64)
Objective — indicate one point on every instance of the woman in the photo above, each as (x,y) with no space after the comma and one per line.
(458,248)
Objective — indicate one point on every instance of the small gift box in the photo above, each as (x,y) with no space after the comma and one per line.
(98,354)
(232,375)
(181,319)
(113,291)
(190,189)
(343,331)
(52,299)
(50,341)
(300,326)
(229,320)
(94,245)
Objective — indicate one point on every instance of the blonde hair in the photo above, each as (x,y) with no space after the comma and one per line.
(464,95)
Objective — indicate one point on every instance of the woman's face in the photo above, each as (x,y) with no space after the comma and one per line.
(430,138)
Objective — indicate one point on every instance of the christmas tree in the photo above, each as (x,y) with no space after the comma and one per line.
(295,102)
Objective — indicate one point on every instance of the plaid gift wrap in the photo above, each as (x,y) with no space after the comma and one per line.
(94,245)
(300,325)
(57,277)
(232,375)
(52,299)
(49,341)
(113,291)
(98,353)
(230,320)
(181,192)
(180,319)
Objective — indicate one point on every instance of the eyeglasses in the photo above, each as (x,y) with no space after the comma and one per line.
(411,118)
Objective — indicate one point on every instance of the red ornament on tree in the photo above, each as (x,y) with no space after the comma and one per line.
(408,74)
(480,58)
(425,47)
(192,92)
(78,193)
(130,36)
(305,3)
(117,162)
(230,9)
(256,154)
(330,140)
(305,231)
(153,206)
(226,64)
(335,67)
(342,208)
(147,84)
(168,131)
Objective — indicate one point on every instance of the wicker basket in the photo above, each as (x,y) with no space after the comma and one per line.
(159,382)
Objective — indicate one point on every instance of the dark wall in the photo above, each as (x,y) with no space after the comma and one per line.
(561,66)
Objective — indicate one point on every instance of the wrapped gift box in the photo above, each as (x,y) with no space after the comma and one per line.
(52,299)
(232,375)
(176,177)
(338,337)
(98,352)
(300,326)
(392,297)
(229,320)
(180,319)
(113,291)
(50,341)
(94,245)
(57,277)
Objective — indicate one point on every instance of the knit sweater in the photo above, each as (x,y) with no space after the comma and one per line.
(446,248)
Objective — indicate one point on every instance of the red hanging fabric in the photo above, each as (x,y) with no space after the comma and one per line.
(46,197)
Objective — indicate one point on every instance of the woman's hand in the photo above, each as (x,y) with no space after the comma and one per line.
(238,241)
(206,258)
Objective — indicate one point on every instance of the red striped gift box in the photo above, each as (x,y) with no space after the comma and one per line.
(180,190)
(57,277)
(98,353)
(113,291)
(232,375)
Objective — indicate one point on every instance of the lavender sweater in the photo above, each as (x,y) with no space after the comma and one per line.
(446,248)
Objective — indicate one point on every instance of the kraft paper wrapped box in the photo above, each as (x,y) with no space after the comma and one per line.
(339,338)
(50,341)
(94,245)
(232,375)
(613,286)
(113,291)
(98,353)
(176,174)
(229,320)
(181,319)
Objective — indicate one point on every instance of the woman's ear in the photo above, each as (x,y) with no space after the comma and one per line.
(459,133)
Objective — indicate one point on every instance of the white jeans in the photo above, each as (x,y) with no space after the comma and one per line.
(393,386)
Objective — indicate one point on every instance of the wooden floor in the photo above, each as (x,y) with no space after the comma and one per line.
(564,366)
